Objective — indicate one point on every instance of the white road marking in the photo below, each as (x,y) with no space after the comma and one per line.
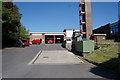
(35,58)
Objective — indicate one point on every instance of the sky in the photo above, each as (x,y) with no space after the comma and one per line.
(57,16)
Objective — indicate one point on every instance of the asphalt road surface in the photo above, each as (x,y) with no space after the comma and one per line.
(48,61)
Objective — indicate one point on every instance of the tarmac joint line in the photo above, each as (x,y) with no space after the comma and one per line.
(35,58)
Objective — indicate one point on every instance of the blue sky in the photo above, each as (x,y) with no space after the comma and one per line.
(57,16)
(104,13)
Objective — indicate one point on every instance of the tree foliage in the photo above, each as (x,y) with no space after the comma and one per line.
(12,28)
(22,32)
(0,12)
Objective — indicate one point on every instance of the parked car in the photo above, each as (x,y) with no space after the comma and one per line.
(36,41)
(25,41)
(18,43)
(50,41)
(30,43)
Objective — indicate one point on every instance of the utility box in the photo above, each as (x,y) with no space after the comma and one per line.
(85,46)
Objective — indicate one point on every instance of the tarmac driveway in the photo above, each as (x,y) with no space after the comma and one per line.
(48,61)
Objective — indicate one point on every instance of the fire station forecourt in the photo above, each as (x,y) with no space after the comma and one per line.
(48,61)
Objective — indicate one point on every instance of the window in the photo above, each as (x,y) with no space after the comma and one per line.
(68,39)
(58,38)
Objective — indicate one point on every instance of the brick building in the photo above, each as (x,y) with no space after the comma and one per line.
(55,37)
(119,21)
(111,30)
(103,30)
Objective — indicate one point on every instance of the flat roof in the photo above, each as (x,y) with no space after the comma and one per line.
(75,30)
(47,32)
(67,29)
(100,34)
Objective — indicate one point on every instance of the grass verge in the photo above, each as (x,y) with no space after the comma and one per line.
(106,56)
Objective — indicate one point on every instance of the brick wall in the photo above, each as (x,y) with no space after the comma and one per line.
(99,38)
(102,39)
(32,37)
(103,30)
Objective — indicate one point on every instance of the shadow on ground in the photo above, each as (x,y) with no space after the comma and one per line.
(108,69)
(99,71)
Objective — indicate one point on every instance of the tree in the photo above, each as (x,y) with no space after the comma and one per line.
(12,28)
(22,33)
(0,24)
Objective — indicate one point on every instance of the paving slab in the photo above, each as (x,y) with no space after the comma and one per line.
(57,57)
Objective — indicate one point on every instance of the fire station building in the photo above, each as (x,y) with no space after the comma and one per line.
(54,37)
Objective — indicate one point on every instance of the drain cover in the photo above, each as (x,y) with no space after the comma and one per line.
(45,57)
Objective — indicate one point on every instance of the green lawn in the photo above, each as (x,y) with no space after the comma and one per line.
(105,56)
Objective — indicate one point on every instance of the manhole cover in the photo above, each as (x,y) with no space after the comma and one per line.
(45,57)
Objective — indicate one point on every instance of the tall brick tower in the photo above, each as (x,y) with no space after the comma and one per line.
(85,18)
